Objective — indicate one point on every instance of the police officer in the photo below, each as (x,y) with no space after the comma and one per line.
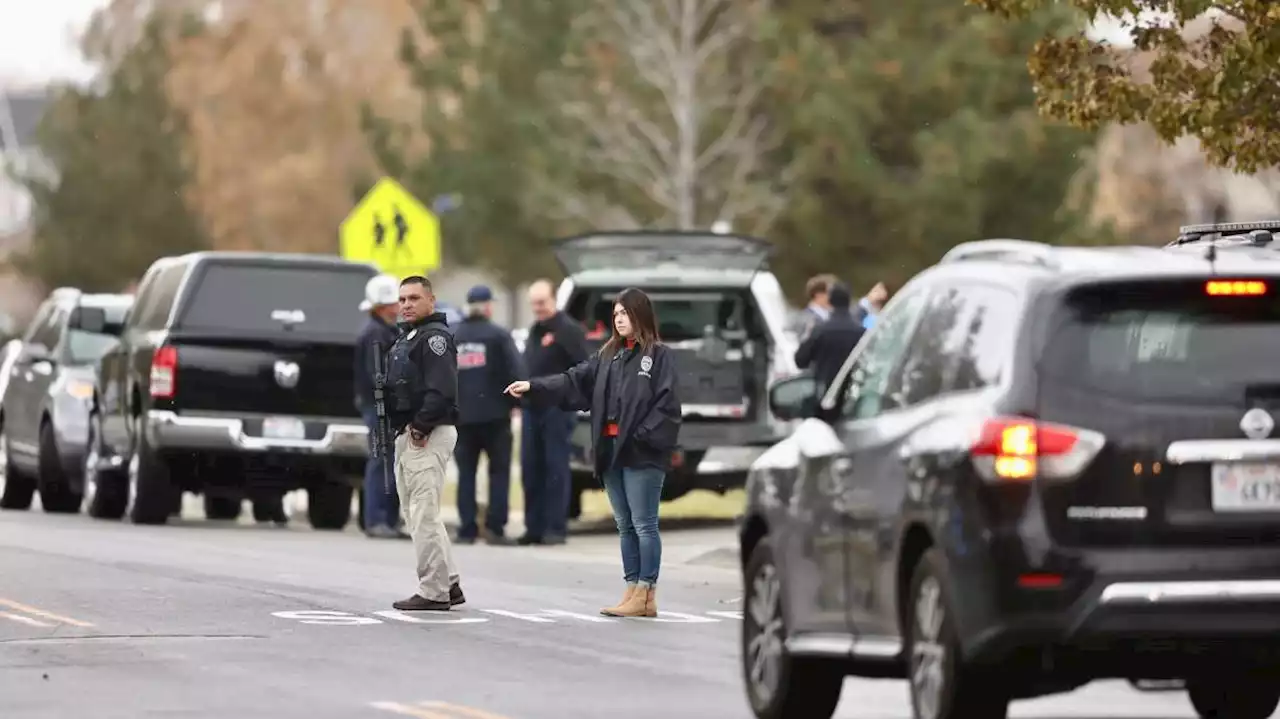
(382,302)
(829,345)
(487,363)
(422,376)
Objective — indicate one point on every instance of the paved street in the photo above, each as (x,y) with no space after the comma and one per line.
(198,620)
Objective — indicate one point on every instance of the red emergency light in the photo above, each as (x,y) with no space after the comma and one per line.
(1235,288)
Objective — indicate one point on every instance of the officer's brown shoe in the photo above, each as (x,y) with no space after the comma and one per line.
(419,603)
(456,596)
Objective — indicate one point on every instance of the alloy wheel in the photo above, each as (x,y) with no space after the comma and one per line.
(928,651)
(765,634)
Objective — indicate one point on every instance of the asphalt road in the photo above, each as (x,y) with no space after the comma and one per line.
(197,620)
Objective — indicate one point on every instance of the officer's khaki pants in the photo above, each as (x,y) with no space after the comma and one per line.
(420,484)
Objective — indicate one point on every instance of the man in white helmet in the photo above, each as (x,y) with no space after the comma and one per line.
(382,302)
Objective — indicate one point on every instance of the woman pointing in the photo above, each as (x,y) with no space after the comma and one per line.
(629,387)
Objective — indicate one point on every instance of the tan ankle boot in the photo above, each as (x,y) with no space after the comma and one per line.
(634,606)
(626,597)
(651,602)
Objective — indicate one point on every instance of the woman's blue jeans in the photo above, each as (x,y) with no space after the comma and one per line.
(634,494)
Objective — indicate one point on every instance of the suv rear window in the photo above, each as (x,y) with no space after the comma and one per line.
(251,299)
(681,315)
(1168,340)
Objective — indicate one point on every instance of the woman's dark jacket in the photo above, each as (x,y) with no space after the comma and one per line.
(649,421)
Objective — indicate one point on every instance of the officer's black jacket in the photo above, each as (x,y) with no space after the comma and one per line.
(428,379)
(374,331)
(487,362)
(829,345)
(649,424)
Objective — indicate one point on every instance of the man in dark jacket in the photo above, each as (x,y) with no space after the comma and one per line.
(382,302)
(555,344)
(422,377)
(487,363)
(829,345)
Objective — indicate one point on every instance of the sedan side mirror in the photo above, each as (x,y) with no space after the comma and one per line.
(794,398)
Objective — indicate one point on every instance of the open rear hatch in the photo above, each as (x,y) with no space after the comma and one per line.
(661,251)
(1183,379)
(269,338)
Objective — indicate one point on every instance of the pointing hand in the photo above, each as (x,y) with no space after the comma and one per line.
(517,388)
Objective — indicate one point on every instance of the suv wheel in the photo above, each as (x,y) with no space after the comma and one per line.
(329,503)
(18,487)
(779,686)
(1247,696)
(57,496)
(107,489)
(942,687)
(153,491)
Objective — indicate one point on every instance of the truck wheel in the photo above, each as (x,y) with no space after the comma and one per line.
(57,496)
(108,489)
(1244,696)
(19,489)
(329,504)
(779,686)
(153,491)
(222,508)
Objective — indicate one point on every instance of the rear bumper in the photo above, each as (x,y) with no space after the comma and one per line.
(167,430)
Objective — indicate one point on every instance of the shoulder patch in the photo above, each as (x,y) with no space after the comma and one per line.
(646,363)
(438,344)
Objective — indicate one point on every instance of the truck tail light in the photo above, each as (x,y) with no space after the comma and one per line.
(1018,449)
(164,372)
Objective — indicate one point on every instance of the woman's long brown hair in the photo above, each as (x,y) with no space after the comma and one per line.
(644,322)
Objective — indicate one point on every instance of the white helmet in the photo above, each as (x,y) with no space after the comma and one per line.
(380,290)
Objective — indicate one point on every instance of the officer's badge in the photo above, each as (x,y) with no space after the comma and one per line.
(646,364)
(411,335)
(437,344)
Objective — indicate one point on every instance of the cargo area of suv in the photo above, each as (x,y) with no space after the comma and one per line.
(1052,466)
(234,380)
(721,311)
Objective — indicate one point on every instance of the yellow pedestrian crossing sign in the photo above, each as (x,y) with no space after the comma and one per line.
(392,229)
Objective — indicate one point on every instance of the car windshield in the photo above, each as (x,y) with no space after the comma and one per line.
(1166,342)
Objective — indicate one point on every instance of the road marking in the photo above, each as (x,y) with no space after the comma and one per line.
(543,616)
(325,618)
(435,710)
(409,711)
(471,712)
(23,620)
(25,609)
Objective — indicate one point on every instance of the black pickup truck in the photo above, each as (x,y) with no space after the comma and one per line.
(232,379)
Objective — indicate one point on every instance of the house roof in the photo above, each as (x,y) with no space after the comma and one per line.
(20,115)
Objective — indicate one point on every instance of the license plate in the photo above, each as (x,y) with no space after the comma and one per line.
(1246,487)
(283,428)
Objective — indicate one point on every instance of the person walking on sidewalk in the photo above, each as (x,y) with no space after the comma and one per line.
(422,373)
(630,388)
(382,302)
(487,362)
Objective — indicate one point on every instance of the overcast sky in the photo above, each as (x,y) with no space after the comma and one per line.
(37,39)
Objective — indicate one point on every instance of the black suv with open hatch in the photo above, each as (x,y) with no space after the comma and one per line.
(1050,466)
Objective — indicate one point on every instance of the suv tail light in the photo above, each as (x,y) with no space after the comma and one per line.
(164,372)
(1019,449)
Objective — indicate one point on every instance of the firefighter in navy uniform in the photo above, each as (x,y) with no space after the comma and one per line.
(422,378)
(487,363)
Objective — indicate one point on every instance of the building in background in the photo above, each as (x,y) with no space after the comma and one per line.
(20,112)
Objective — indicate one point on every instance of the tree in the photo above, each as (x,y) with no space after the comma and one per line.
(112,199)
(484,126)
(1205,69)
(662,116)
(913,127)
